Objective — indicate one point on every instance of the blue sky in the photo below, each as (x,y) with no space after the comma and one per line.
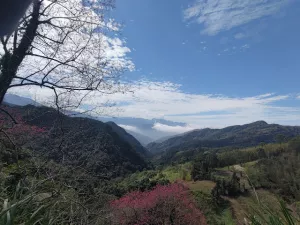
(230,48)
(209,63)
(256,57)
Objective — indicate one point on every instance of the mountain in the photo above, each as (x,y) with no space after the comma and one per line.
(169,137)
(143,139)
(135,144)
(12,99)
(142,129)
(234,136)
(160,140)
(105,150)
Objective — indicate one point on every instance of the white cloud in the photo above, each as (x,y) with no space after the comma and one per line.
(172,129)
(217,16)
(166,100)
(130,128)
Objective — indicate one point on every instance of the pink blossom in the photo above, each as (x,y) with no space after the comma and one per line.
(171,204)
(16,129)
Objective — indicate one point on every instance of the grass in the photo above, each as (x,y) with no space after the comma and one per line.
(178,172)
(249,164)
(171,173)
(244,206)
(204,186)
(233,167)
(215,214)
(237,210)
(226,217)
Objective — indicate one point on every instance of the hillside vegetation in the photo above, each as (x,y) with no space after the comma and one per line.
(105,150)
(235,136)
(56,169)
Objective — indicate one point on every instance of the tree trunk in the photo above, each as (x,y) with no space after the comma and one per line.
(10,62)
(5,81)
(5,77)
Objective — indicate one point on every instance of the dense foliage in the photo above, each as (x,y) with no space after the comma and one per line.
(235,136)
(82,142)
(14,133)
(281,173)
(50,169)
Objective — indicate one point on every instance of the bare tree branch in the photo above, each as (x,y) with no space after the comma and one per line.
(4,44)
(62,45)
(9,115)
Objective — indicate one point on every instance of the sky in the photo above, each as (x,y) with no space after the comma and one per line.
(208,63)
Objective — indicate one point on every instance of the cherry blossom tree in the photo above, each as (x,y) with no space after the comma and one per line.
(171,204)
(15,132)
(66,46)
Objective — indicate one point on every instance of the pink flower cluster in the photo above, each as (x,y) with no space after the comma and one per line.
(16,129)
(171,204)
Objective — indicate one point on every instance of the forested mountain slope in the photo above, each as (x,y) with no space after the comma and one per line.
(99,148)
(125,136)
(235,136)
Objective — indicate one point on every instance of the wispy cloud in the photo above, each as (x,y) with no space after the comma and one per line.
(240,36)
(234,50)
(246,46)
(217,16)
(166,100)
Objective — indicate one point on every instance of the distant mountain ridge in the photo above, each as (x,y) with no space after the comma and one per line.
(236,136)
(143,139)
(13,99)
(142,129)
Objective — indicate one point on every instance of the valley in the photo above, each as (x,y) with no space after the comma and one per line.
(231,175)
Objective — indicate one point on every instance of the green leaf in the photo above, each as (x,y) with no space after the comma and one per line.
(36,212)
